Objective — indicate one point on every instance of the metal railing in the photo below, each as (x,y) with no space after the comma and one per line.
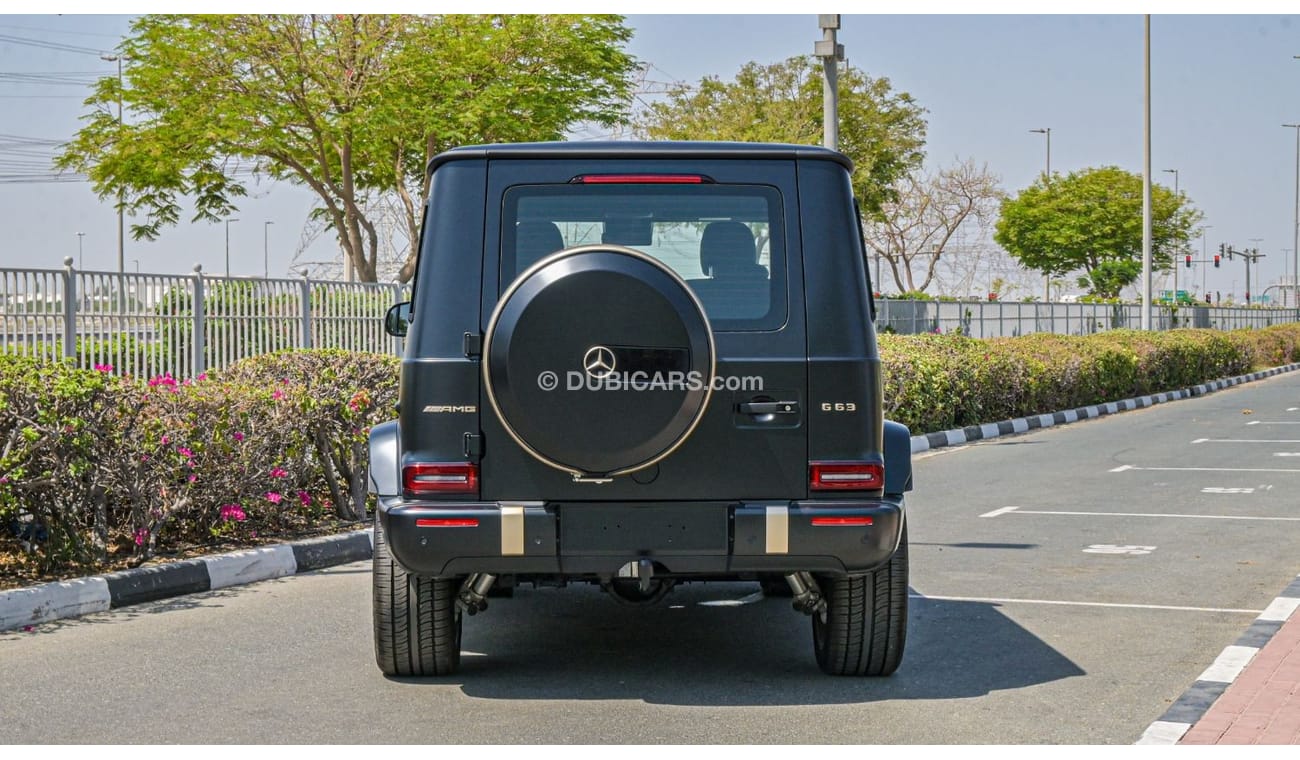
(146,325)
(995,319)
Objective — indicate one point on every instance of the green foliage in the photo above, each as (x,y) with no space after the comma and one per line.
(111,468)
(940,382)
(1089,218)
(350,106)
(1108,278)
(881,130)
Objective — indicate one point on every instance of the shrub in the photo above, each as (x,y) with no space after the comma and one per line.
(96,466)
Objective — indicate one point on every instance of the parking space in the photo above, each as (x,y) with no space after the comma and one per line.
(1159,524)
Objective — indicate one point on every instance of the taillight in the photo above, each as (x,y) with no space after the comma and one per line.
(838,521)
(640,179)
(446,522)
(846,476)
(425,478)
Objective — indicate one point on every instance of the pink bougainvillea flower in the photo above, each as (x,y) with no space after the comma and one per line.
(274,497)
(278,472)
(279,394)
(305,498)
(144,457)
(193,478)
(185,452)
(202,376)
(106,368)
(163,379)
(165,440)
(233,512)
(140,535)
(238,436)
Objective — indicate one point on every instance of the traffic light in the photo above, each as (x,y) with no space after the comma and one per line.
(1189,261)
(1216,261)
(1221,249)
(1229,253)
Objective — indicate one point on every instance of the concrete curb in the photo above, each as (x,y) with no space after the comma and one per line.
(81,596)
(1231,662)
(959,436)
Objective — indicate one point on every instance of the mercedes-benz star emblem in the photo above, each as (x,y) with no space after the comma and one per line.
(598,362)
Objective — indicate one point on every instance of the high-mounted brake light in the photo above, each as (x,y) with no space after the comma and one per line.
(846,476)
(440,478)
(640,179)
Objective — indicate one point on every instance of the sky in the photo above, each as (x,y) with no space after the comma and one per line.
(1222,86)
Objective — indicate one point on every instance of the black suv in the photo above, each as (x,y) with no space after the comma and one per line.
(637,365)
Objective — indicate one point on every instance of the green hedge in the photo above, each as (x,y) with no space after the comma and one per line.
(940,382)
(96,468)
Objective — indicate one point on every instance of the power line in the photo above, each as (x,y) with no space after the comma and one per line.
(51,45)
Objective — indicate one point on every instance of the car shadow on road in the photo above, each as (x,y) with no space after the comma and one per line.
(577,644)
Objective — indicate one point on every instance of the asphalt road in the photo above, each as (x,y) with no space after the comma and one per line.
(1029,625)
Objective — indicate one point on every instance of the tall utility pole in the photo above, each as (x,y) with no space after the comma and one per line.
(1146,176)
(121,215)
(1175,267)
(831,53)
(1295,223)
(1047,179)
(266,259)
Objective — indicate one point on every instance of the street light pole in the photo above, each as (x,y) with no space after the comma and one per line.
(81,262)
(121,215)
(1146,175)
(228,221)
(1047,179)
(1175,261)
(831,53)
(266,267)
(1295,223)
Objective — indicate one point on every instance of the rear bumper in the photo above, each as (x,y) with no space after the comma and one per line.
(594,539)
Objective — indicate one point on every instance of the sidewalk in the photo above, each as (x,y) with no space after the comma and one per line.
(1262,706)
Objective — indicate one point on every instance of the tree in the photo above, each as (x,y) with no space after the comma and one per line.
(1091,220)
(350,106)
(915,229)
(881,130)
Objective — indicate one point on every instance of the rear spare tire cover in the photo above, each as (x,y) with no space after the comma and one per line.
(598,360)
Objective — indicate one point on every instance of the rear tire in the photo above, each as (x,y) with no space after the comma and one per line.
(864,629)
(417,621)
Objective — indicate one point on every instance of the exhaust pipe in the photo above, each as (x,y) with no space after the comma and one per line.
(808,597)
(473,592)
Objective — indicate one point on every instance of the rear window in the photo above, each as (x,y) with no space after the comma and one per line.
(725,241)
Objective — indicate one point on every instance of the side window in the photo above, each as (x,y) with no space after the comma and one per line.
(725,241)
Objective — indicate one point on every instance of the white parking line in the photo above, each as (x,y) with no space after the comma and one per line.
(1269,422)
(1128,467)
(996,600)
(1242,440)
(1287,454)
(997,512)
(1071,513)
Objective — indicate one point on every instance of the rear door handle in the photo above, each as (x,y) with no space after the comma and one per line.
(768,407)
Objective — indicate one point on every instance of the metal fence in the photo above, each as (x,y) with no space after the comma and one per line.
(983,319)
(183,325)
(146,325)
